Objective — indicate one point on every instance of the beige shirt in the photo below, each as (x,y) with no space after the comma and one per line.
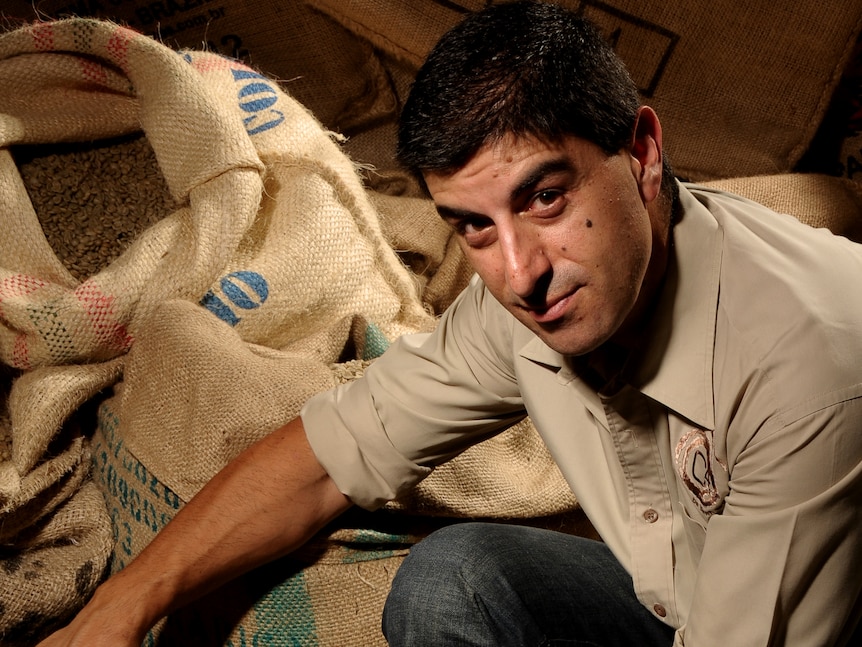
(722,464)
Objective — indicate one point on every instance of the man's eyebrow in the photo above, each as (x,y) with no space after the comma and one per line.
(448,213)
(543,170)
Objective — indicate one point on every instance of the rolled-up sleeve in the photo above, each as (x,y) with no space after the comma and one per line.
(365,465)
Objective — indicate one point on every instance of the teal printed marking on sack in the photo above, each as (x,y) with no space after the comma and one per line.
(375,342)
(286,616)
(369,545)
(257,96)
(140,505)
(133,493)
(245,290)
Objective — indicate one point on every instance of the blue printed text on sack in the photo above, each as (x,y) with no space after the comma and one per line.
(257,97)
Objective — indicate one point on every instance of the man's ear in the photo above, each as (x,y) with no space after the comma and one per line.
(646,153)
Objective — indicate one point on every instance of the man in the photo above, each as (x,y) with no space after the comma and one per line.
(690,359)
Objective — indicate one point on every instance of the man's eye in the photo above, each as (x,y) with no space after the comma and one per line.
(476,232)
(476,226)
(470,226)
(548,203)
(545,200)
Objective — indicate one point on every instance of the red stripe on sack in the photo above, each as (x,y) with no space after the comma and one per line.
(208,62)
(19,285)
(43,36)
(21,353)
(103,317)
(93,71)
(118,45)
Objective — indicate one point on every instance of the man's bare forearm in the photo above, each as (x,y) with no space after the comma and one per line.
(264,504)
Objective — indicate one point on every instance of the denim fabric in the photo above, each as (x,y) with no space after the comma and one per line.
(496,585)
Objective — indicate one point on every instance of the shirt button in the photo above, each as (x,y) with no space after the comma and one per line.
(660,611)
(650,515)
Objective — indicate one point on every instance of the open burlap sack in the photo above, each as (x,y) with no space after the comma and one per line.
(272,233)
(238,155)
(740,87)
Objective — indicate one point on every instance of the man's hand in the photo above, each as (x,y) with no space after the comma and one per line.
(108,619)
(267,502)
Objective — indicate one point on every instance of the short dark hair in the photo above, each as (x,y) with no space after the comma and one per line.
(521,68)
(518,68)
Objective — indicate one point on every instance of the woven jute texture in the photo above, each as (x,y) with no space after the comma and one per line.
(199,278)
(188,374)
(55,531)
(268,231)
(330,593)
(740,87)
(817,200)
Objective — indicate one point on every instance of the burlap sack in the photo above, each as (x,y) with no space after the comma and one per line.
(194,391)
(273,233)
(54,528)
(740,87)
(817,200)
(55,567)
(427,244)
(239,156)
(322,65)
(331,593)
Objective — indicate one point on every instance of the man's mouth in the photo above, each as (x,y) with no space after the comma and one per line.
(552,312)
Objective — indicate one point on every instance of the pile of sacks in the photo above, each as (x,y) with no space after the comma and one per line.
(269,276)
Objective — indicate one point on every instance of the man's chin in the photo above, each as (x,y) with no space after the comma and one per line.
(567,342)
(568,335)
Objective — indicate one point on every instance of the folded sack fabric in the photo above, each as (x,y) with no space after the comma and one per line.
(272,233)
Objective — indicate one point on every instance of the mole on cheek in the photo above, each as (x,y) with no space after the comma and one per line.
(589,223)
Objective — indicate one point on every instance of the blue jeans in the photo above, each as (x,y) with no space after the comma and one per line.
(495,585)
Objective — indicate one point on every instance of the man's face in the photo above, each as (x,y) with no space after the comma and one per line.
(561,235)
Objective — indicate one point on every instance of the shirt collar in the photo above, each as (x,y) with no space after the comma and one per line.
(675,366)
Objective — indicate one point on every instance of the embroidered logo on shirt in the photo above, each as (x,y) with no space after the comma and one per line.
(695,463)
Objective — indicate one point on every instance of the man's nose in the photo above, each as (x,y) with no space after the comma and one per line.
(525,260)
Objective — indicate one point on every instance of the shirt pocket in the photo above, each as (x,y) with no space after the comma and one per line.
(694,523)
